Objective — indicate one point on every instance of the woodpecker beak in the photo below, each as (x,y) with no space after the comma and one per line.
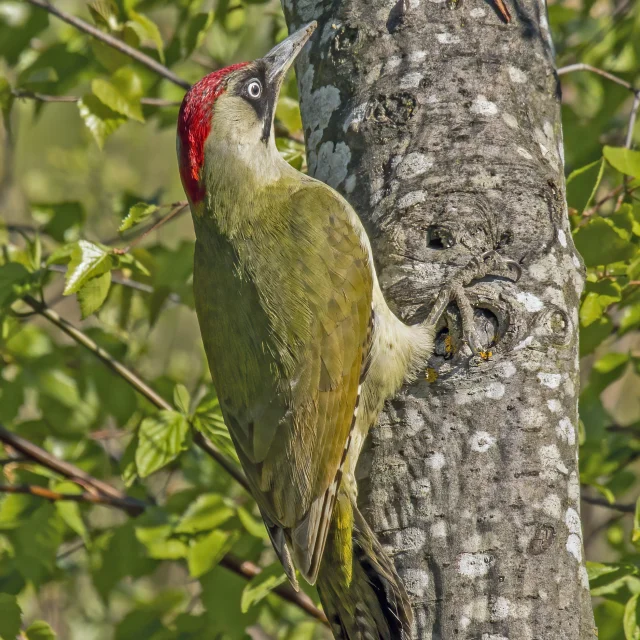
(280,58)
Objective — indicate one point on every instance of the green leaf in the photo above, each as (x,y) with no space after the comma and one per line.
(15,281)
(195,32)
(608,369)
(630,318)
(147,29)
(599,297)
(98,118)
(208,420)
(122,94)
(254,526)
(40,630)
(137,214)
(161,439)
(70,511)
(600,242)
(154,530)
(624,160)
(630,620)
(207,551)
(635,534)
(6,100)
(209,511)
(288,112)
(261,586)
(10,617)
(88,260)
(93,294)
(596,185)
(181,399)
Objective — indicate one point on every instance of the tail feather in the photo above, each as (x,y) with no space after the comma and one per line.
(360,590)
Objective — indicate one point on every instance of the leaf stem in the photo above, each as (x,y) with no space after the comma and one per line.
(108,39)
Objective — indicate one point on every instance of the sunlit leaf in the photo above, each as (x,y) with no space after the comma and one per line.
(121,94)
(161,439)
(40,630)
(99,119)
(209,511)
(631,619)
(93,294)
(88,260)
(624,160)
(147,29)
(207,551)
(137,214)
(262,585)
(181,399)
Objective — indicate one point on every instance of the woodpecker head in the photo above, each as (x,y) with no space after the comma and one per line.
(228,115)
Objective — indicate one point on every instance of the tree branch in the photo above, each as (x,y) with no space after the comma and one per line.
(616,506)
(86,496)
(102,490)
(285,591)
(632,120)
(108,39)
(135,381)
(581,66)
(42,97)
(110,496)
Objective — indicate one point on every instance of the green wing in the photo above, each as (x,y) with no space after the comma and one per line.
(286,352)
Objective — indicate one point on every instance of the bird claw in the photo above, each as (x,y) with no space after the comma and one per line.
(488,263)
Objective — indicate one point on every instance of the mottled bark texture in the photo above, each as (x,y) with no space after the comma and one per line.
(442,128)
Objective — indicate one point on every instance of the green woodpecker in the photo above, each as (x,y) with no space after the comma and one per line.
(302,347)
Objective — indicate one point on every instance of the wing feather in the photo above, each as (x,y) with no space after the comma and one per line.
(289,399)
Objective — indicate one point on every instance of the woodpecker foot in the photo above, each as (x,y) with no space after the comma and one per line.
(489,263)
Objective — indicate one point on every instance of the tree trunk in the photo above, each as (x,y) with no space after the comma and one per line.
(442,128)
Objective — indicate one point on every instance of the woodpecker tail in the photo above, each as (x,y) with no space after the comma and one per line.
(360,590)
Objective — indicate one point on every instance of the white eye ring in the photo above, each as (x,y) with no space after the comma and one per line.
(254,89)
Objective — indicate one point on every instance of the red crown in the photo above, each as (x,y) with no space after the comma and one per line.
(194,126)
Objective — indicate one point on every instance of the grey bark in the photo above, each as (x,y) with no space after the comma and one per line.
(442,128)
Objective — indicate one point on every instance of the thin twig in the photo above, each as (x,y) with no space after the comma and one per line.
(135,381)
(43,97)
(581,66)
(108,39)
(54,496)
(121,280)
(285,591)
(632,120)
(179,208)
(616,506)
(143,229)
(70,471)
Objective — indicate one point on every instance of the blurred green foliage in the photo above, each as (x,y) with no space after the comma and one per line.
(82,177)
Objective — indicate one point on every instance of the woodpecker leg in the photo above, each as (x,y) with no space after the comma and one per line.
(489,263)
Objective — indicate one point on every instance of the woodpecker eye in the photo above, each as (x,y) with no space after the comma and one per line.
(254,89)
